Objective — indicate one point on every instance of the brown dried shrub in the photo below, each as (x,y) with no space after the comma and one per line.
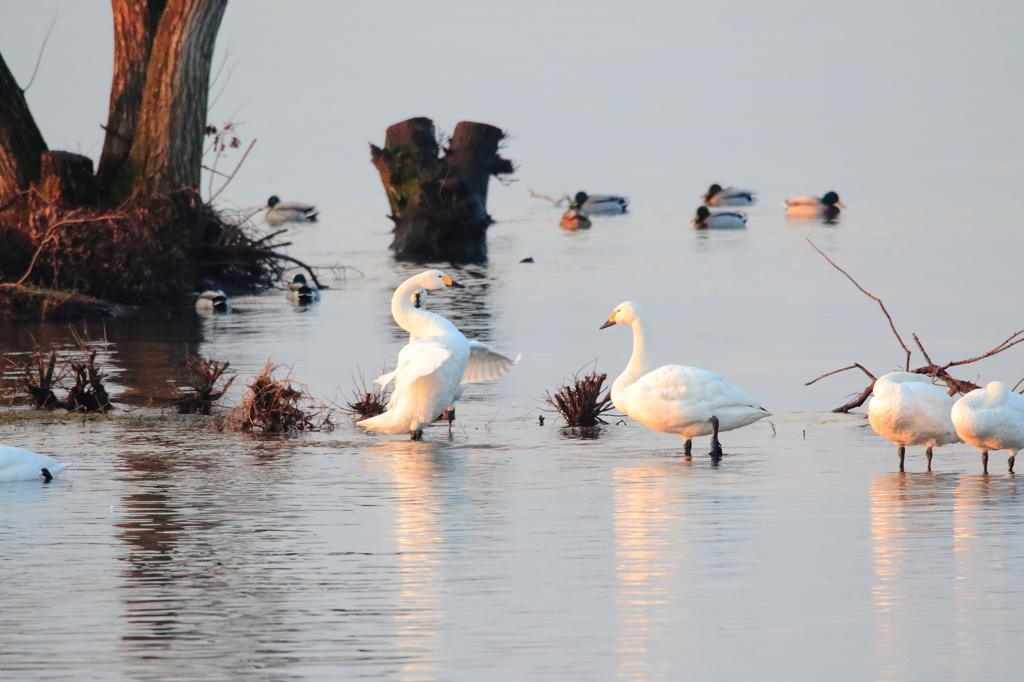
(581,403)
(203,377)
(367,401)
(273,405)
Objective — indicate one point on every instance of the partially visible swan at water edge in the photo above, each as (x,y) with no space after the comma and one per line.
(18,464)
(991,418)
(908,409)
(687,401)
(429,369)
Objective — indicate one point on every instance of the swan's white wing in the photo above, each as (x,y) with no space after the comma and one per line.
(485,363)
(420,359)
(385,379)
(932,411)
(674,396)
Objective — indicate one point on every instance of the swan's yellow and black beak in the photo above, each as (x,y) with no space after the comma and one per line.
(607,324)
(449,282)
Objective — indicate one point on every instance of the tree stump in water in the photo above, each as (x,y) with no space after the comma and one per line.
(66,179)
(439,204)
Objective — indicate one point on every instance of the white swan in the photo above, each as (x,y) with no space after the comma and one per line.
(292,212)
(719,220)
(991,418)
(485,363)
(728,196)
(302,293)
(908,409)
(430,369)
(675,399)
(18,464)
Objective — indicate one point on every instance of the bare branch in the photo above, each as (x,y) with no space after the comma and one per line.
(871,296)
(923,351)
(534,195)
(232,176)
(1008,343)
(858,401)
(855,365)
(42,48)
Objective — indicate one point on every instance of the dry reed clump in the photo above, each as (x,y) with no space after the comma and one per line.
(36,378)
(274,406)
(203,377)
(581,403)
(41,375)
(367,401)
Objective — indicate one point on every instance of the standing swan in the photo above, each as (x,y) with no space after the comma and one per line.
(991,418)
(908,409)
(18,464)
(675,399)
(429,369)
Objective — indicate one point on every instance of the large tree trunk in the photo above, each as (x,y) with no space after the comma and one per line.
(439,205)
(21,143)
(135,26)
(167,151)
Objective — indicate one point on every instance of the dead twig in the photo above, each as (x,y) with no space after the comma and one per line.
(534,195)
(367,400)
(855,365)
(39,58)
(232,176)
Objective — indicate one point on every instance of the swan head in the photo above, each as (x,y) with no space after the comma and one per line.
(579,199)
(831,199)
(273,201)
(712,191)
(624,313)
(419,298)
(435,279)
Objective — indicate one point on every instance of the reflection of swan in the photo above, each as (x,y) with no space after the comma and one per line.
(292,212)
(728,196)
(991,418)
(719,220)
(908,409)
(430,369)
(18,464)
(826,207)
(675,399)
(302,293)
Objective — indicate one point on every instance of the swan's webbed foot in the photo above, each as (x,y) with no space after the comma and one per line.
(902,451)
(688,448)
(716,447)
(984,462)
(417,435)
(47,476)
(928,452)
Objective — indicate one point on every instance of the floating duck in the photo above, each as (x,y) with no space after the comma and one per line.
(908,409)
(212,300)
(991,418)
(574,219)
(825,207)
(728,196)
(687,401)
(599,203)
(278,213)
(18,464)
(302,293)
(719,220)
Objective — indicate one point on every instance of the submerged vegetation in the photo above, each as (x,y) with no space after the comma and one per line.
(277,406)
(78,375)
(580,402)
(204,377)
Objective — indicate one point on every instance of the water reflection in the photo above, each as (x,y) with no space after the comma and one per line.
(647,557)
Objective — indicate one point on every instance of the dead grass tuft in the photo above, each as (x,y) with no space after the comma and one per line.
(203,377)
(580,403)
(367,401)
(276,406)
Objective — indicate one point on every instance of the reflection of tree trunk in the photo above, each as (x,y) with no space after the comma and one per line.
(439,205)
(135,24)
(167,150)
(21,143)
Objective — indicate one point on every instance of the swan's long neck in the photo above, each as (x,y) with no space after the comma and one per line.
(637,366)
(419,323)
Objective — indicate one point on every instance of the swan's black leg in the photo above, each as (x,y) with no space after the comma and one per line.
(716,447)
(902,451)
(929,453)
(417,435)
(451,417)
(1010,462)
(984,462)
(688,447)
(47,476)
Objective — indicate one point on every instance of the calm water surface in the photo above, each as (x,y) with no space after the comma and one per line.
(513,551)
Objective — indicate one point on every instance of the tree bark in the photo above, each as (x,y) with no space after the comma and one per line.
(167,150)
(21,143)
(439,205)
(66,179)
(135,26)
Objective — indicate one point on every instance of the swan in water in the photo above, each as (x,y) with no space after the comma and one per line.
(292,212)
(825,207)
(485,363)
(908,409)
(302,293)
(599,203)
(719,220)
(991,418)
(212,300)
(675,399)
(430,369)
(18,464)
(728,196)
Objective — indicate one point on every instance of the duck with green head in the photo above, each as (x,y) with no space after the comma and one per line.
(599,203)
(826,207)
(728,196)
(719,220)
(291,212)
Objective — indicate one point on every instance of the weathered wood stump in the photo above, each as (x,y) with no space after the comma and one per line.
(66,179)
(439,204)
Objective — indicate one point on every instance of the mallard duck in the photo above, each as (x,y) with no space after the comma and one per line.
(574,219)
(212,300)
(687,401)
(18,464)
(719,220)
(278,213)
(599,203)
(728,196)
(907,409)
(825,207)
(302,293)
